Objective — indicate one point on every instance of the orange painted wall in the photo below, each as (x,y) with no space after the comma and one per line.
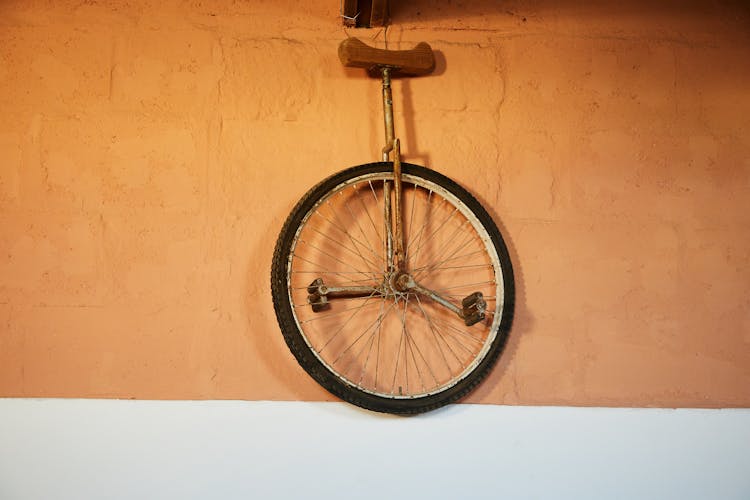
(150,151)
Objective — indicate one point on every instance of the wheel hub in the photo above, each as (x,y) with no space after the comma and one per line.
(396,284)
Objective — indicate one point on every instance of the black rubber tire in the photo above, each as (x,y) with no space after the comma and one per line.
(311,364)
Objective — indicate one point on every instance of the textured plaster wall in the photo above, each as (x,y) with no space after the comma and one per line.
(150,151)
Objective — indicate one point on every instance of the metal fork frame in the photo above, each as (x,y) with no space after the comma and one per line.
(394,227)
(397,279)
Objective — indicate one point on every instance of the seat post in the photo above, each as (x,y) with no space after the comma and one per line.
(387,112)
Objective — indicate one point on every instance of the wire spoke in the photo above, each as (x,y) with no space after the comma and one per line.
(440,327)
(351,238)
(412,345)
(465,286)
(435,336)
(432,235)
(320,316)
(344,231)
(447,245)
(337,283)
(357,310)
(372,326)
(381,317)
(424,224)
(398,357)
(456,331)
(377,204)
(337,259)
(395,345)
(355,252)
(356,221)
(472,266)
(470,254)
(335,273)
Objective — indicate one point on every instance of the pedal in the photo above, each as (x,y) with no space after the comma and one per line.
(474,307)
(317,300)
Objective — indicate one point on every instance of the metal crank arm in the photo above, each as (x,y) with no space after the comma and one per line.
(318,293)
(472,309)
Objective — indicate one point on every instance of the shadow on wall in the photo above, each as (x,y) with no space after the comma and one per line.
(435,10)
(409,136)
(523,320)
(288,379)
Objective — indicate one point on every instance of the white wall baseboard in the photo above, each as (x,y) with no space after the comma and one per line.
(110,449)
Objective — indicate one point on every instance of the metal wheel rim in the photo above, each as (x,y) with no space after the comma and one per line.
(477,226)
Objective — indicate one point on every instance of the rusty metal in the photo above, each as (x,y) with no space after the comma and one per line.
(474,308)
(387,113)
(396,280)
(398,230)
(318,301)
(405,283)
(393,219)
(388,227)
(318,293)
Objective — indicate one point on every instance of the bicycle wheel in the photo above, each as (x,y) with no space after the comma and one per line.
(388,348)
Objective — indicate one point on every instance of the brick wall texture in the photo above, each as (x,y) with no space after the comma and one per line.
(150,151)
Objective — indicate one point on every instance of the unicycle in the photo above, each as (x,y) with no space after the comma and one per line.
(392,285)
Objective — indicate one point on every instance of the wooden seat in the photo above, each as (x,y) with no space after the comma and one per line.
(418,61)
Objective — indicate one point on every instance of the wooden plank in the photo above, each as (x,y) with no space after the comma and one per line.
(365,7)
(378,13)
